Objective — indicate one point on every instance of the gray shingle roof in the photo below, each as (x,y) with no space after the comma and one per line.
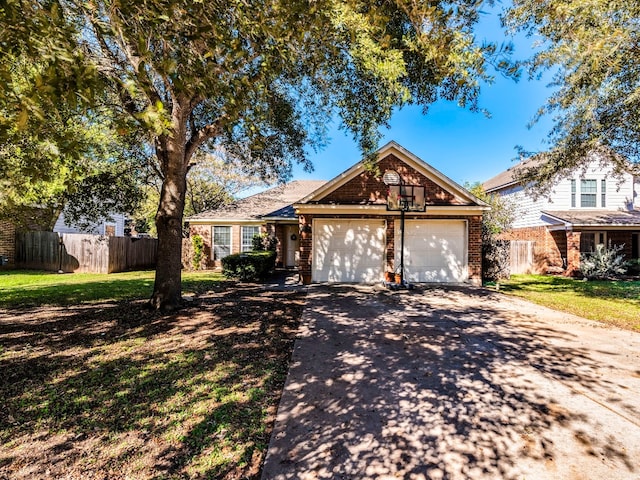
(629,218)
(275,202)
(509,176)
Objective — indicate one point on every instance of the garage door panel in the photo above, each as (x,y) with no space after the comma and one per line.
(348,250)
(435,251)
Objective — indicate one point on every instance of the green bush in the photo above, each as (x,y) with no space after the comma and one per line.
(633,267)
(249,266)
(263,242)
(198,249)
(603,263)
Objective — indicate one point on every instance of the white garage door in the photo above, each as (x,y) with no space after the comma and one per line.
(434,250)
(348,250)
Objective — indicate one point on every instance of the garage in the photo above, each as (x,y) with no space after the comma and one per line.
(345,250)
(434,250)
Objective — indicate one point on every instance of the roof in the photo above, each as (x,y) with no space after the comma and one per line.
(510,175)
(275,203)
(585,218)
(408,158)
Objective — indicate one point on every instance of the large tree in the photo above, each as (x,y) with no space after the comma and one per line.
(259,79)
(593,46)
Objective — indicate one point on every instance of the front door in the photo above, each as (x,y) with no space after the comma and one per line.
(292,242)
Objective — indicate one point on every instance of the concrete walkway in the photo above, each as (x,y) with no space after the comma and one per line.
(455,383)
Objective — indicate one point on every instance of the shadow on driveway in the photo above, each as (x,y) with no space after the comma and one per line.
(454,383)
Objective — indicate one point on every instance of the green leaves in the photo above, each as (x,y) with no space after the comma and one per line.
(593,44)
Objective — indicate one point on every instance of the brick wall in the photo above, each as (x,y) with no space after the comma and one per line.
(365,188)
(8,241)
(475,249)
(615,237)
(306,246)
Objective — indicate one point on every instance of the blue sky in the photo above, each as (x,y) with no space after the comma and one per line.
(463,145)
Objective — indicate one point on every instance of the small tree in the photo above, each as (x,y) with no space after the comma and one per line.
(495,253)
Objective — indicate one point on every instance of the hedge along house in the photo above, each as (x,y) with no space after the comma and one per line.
(349,233)
(231,228)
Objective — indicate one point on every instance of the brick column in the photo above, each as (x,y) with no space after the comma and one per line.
(573,253)
(306,245)
(391,239)
(475,250)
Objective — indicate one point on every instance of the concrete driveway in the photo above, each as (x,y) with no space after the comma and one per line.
(455,383)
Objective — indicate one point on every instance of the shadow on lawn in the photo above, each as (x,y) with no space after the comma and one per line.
(426,385)
(85,394)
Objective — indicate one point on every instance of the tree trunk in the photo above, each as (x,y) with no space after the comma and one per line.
(167,290)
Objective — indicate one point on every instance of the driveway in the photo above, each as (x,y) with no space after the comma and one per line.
(455,383)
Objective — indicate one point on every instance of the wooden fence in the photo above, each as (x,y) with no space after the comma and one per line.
(521,256)
(72,252)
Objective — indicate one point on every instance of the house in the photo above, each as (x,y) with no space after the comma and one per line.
(7,243)
(112,226)
(231,228)
(587,208)
(349,229)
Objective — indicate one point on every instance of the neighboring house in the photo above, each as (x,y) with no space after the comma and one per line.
(343,231)
(7,244)
(113,226)
(588,208)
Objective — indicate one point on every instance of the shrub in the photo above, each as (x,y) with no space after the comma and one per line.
(603,263)
(633,267)
(495,259)
(263,242)
(197,243)
(249,266)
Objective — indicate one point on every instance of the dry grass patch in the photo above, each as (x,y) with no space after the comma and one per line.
(110,391)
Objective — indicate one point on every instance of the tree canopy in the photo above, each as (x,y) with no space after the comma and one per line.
(595,47)
(258,79)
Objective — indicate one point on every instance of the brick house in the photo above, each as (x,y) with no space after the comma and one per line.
(587,208)
(345,232)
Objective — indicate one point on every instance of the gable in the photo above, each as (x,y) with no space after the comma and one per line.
(358,186)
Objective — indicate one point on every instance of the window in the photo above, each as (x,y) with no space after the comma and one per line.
(573,193)
(589,240)
(221,242)
(588,193)
(247,237)
(603,193)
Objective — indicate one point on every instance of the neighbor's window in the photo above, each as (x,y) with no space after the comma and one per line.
(221,242)
(573,193)
(588,193)
(247,237)
(603,193)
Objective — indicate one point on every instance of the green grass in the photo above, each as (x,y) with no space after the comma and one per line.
(22,288)
(611,302)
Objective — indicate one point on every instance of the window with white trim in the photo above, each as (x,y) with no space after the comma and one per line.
(588,193)
(248,232)
(221,242)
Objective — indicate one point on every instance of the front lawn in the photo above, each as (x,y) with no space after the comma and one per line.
(96,386)
(612,302)
(33,288)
